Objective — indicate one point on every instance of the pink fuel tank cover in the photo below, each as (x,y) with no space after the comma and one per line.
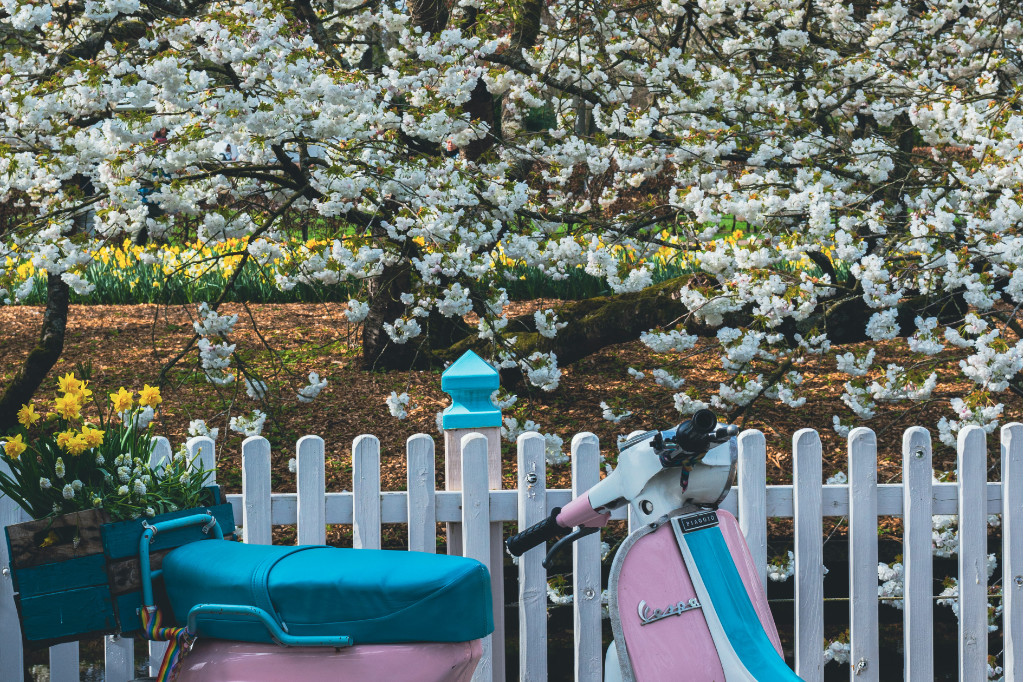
(680,646)
(213,660)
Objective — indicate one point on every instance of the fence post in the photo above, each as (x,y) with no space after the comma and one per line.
(420,484)
(118,659)
(476,534)
(809,629)
(366,492)
(162,454)
(64,662)
(1012,487)
(586,565)
(470,382)
(751,499)
(533,595)
(11,657)
(311,503)
(862,460)
(918,605)
(972,554)
(202,451)
(256,515)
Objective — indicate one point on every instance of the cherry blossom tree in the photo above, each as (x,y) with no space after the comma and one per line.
(872,149)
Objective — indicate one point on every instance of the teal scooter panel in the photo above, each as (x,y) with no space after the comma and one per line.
(731,603)
(372,596)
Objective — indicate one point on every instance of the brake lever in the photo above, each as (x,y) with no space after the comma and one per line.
(572,537)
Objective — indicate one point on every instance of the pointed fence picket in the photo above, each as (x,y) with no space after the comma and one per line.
(533,585)
(918,507)
(863,481)
(1012,517)
(750,498)
(476,507)
(310,506)
(476,526)
(972,555)
(422,510)
(586,566)
(807,527)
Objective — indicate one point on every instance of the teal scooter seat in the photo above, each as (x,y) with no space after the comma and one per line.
(372,596)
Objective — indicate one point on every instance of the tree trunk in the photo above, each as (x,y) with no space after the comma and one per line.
(379,350)
(42,357)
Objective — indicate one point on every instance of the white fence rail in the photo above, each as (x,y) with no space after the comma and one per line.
(475,508)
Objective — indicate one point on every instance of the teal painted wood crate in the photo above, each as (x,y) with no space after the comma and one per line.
(77,575)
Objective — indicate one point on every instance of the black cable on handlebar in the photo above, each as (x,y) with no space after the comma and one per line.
(537,534)
(567,540)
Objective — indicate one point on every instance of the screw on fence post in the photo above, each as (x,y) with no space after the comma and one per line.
(470,382)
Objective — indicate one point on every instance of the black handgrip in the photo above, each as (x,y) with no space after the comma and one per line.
(693,435)
(537,534)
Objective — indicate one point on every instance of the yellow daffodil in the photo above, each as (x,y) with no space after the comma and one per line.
(27,416)
(15,446)
(83,392)
(68,406)
(77,445)
(122,400)
(149,396)
(69,383)
(63,438)
(93,437)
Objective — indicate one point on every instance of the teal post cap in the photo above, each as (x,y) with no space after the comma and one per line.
(470,382)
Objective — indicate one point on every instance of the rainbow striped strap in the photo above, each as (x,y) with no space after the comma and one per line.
(178,638)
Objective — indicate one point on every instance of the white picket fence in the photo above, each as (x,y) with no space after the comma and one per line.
(473,509)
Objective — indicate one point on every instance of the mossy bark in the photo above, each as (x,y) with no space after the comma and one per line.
(593,324)
(596,323)
(41,358)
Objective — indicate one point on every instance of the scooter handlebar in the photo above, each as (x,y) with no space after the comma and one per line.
(537,534)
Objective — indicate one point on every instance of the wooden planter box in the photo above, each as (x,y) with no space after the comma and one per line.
(77,575)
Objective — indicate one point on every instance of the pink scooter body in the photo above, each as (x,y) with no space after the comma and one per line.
(214,660)
(679,646)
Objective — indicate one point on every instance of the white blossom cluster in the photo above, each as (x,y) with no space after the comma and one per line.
(890,592)
(310,391)
(198,427)
(611,415)
(251,425)
(782,569)
(985,416)
(141,417)
(255,389)
(547,323)
(511,429)
(502,399)
(542,370)
(210,323)
(837,651)
(667,379)
(398,404)
(950,596)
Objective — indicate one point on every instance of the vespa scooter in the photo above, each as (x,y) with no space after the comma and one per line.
(340,614)
(684,596)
